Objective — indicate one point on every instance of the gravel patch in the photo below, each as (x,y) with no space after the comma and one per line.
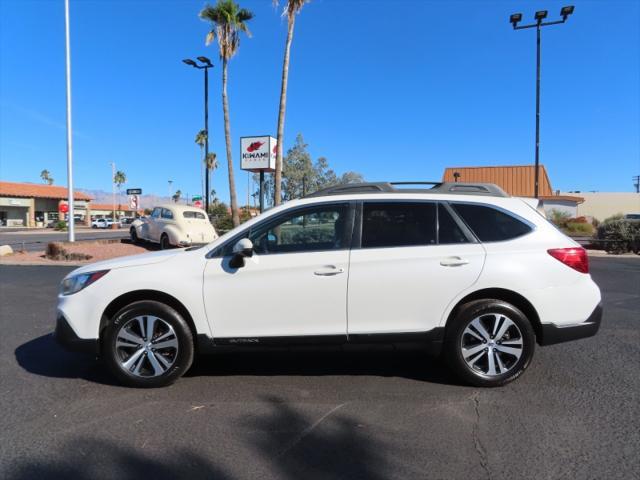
(98,251)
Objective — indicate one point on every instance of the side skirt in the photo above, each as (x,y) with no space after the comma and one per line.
(430,341)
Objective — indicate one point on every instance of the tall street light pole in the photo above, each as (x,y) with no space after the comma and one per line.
(71,227)
(539,17)
(206,65)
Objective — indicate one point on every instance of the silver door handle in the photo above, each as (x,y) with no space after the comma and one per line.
(453,262)
(328,271)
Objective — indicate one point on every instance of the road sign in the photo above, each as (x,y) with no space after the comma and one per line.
(196,197)
(134,202)
(63,207)
(134,191)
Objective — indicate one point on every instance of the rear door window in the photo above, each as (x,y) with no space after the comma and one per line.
(398,224)
(490,224)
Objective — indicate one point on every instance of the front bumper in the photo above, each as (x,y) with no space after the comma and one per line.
(66,337)
(552,333)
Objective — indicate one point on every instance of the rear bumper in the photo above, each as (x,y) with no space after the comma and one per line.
(552,333)
(66,337)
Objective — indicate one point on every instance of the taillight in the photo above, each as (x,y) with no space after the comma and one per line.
(575,258)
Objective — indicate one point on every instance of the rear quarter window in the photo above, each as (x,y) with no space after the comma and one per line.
(192,214)
(491,224)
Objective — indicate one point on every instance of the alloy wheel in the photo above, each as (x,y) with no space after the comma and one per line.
(491,344)
(146,346)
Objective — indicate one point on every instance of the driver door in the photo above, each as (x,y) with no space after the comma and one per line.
(293,288)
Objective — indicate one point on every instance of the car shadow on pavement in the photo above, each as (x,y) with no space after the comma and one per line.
(108,459)
(43,356)
(409,365)
(283,443)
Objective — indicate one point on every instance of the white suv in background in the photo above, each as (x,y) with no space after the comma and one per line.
(459,269)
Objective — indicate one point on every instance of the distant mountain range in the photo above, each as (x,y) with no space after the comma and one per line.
(146,201)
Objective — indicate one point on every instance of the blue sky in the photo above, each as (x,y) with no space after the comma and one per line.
(394,90)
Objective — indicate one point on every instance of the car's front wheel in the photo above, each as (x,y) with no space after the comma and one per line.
(134,235)
(489,343)
(148,344)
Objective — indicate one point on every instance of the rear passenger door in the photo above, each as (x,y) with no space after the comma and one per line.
(410,261)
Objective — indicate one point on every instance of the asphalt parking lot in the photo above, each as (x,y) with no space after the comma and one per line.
(574,414)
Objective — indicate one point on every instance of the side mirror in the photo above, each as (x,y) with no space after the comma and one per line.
(242,249)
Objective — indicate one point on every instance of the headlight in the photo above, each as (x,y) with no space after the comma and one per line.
(76,283)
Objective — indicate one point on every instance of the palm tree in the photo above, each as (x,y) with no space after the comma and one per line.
(211,163)
(176,196)
(46,177)
(291,9)
(201,139)
(119,179)
(227,21)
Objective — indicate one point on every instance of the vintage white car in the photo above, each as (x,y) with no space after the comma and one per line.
(174,225)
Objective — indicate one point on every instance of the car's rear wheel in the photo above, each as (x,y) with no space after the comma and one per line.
(148,344)
(164,242)
(489,343)
(134,235)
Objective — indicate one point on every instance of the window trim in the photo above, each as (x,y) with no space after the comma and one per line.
(350,207)
(532,226)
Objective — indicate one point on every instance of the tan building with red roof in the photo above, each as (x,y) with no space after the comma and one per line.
(31,204)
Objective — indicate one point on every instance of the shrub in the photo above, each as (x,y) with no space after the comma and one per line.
(579,228)
(559,218)
(61,225)
(619,235)
(613,218)
(56,251)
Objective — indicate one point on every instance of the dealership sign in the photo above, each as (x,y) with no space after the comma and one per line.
(258,153)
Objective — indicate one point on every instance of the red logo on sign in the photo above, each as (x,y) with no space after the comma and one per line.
(197,204)
(275,149)
(64,208)
(254,146)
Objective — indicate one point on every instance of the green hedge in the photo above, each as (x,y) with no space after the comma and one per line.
(620,236)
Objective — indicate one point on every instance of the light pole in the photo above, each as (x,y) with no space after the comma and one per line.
(206,65)
(113,190)
(170,189)
(71,224)
(539,17)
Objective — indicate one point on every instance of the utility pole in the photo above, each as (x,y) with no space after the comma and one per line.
(71,226)
(539,17)
(170,189)
(636,183)
(113,190)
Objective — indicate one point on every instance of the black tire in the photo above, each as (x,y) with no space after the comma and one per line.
(134,235)
(164,242)
(114,358)
(94,226)
(456,336)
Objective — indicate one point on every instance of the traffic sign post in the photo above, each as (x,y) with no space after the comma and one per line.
(134,191)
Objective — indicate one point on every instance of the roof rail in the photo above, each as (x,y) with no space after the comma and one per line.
(452,188)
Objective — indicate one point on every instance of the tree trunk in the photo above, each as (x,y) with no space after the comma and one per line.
(227,136)
(281,112)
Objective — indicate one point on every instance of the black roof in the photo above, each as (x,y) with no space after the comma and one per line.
(450,188)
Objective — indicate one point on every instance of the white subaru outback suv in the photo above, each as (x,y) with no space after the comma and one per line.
(462,270)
